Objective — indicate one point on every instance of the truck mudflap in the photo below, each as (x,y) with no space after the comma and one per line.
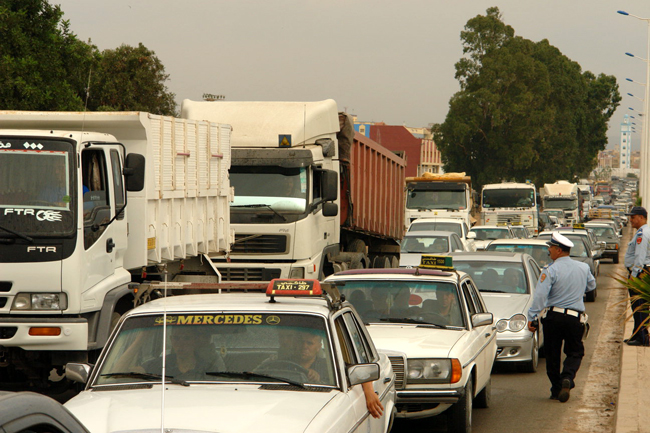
(32,333)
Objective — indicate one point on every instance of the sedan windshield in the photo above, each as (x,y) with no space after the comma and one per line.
(425,244)
(433,303)
(437,226)
(491,233)
(238,347)
(537,252)
(500,277)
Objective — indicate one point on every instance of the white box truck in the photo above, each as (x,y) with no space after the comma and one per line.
(83,223)
(510,203)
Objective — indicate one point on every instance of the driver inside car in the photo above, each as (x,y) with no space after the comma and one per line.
(303,348)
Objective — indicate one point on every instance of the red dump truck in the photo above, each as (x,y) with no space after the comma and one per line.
(311,196)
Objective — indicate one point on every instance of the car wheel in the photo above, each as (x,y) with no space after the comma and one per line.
(460,414)
(590,296)
(615,259)
(483,398)
(531,365)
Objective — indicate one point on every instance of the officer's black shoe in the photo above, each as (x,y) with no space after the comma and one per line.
(553,397)
(634,343)
(565,392)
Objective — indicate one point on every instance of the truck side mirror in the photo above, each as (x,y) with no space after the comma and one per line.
(330,185)
(134,172)
(330,209)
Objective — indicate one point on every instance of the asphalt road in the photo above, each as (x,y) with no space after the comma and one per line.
(520,401)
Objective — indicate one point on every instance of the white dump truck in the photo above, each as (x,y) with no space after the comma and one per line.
(88,218)
(312,197)
(510,203)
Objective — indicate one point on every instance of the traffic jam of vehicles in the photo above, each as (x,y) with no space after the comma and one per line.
(204,274)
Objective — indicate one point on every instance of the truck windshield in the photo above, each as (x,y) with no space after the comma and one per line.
(282,189)
(452,200)
(510,198)
(560,203)
(234,347)
(37,192)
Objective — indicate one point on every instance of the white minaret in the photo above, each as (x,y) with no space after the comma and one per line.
(625,148)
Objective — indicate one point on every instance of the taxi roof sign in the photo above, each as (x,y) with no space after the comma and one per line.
(294,287)
(436,262)
(579,226)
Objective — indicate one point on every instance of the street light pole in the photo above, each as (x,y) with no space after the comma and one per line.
(644,181)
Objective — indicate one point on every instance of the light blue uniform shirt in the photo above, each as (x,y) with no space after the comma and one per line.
(562,284)
(637,255)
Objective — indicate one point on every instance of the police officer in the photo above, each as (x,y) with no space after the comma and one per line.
(558,302)
(637,260)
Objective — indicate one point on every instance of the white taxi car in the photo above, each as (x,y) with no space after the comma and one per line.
(292,361)
(443,337)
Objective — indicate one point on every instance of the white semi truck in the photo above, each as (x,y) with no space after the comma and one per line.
(510,203)
(563,196)
(446,195)
(86,218)
(312,197)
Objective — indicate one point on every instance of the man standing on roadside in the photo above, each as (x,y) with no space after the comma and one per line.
(558,302)
(637,261)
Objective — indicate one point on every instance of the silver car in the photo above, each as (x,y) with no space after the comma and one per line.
(606,233)
(417,243)
(507,283)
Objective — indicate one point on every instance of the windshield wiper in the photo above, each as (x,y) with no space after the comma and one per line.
(262,205)
(250,374)
(148,376)
(409,320)
(20,235)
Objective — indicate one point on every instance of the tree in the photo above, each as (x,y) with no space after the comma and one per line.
(524,111)
(129,78)
(42,63)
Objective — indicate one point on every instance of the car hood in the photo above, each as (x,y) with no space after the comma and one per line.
(209,408)
(505,305)
(415,341)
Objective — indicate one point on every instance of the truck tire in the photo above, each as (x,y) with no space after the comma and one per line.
(394,262)
(357,246)
(460,413)
(381,262)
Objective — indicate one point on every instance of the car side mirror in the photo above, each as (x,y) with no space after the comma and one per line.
(362,373)
(77,372)
(471,235)
(482,319)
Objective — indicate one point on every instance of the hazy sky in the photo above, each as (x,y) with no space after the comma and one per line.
(383,60)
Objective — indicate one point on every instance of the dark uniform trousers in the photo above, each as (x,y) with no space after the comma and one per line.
(640,317)
(562,328)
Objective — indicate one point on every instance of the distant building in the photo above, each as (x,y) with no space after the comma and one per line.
(415,145)
(625,148)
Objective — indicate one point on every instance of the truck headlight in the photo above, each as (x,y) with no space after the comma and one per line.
(40,301)
(432,370)
(297,273)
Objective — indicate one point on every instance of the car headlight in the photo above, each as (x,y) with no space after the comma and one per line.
(517,322)
(502,325)
(433,370)
(40,301)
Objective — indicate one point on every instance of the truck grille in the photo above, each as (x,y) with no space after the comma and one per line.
(249,274)
(259,244)
(508,218)
(398,368)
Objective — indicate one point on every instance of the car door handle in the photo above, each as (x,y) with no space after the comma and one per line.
(488,334)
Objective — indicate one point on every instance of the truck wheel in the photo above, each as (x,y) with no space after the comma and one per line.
(357,246)
(381,262)
(394,262)
(615,259)
(460,414)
